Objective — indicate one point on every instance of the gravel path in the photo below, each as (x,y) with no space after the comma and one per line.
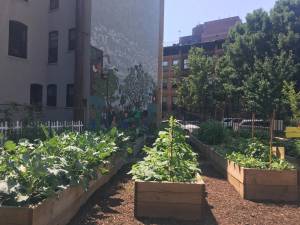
(114,205)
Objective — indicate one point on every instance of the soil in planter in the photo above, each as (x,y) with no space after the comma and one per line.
(114,205)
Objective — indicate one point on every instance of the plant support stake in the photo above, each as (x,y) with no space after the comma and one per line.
(271,136)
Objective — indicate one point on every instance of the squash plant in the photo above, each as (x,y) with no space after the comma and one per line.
(31,172)
(170,159)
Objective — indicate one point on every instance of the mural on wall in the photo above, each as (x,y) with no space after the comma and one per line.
(137,89)
(127,32)
(124,53)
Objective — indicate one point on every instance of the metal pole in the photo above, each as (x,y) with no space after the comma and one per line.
(107,101)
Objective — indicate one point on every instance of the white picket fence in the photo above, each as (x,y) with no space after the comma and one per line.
(17,127)
(278,126)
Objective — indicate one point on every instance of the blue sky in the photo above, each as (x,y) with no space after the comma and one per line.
(182,15)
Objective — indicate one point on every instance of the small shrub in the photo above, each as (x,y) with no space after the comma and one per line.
(212,132)
(293,148)
(259,134)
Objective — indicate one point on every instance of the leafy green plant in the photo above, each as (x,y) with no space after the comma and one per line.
(254,153)
(212,132)
(250,153)
(252,162)
(256,149)
(259,134)
(292,148)
(31,172)
(170,158)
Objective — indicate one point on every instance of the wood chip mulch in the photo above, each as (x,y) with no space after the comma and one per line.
(114,205)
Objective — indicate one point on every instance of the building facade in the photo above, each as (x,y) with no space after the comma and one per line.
(47,49)
(210,36)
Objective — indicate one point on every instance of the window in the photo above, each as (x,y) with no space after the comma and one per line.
(51,95)
(185,64)
(165,65)
(175,62)
(17,39)
(36,94)
(54,4)
(70,95)
(72,39)
(164,99)
(165,84)
(53,47)
(164,106)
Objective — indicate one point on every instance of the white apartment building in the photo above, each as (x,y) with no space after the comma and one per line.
(45,50)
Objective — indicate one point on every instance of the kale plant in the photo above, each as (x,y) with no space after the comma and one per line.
(31,172)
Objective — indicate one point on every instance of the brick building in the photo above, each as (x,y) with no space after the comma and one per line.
(210,36)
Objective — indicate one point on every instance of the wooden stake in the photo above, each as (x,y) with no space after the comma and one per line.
(253,118)
(271,136)
(171,150)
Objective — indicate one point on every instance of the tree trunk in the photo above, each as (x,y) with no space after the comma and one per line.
(253,118)
(271,136)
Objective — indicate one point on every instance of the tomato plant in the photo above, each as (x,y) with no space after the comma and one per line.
(170,158)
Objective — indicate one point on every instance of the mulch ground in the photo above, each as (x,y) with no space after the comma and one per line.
(114,205)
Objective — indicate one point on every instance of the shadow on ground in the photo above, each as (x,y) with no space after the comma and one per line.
(114,204)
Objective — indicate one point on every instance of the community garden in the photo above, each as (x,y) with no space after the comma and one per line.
(106,178)
(126,173)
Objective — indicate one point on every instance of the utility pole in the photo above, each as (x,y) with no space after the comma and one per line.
(79,62)
(160,59)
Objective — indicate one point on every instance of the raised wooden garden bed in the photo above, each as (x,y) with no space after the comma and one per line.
(296,162)
(184,201)
(255,184)
(60,209)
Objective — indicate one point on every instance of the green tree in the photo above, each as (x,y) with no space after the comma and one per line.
(228,91)
(285,17)
(292,98)
(107,87)
(263,36)
(201,91)
(264,85)
(250,40)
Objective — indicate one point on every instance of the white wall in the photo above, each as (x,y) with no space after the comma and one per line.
(17,74)
(128,31)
